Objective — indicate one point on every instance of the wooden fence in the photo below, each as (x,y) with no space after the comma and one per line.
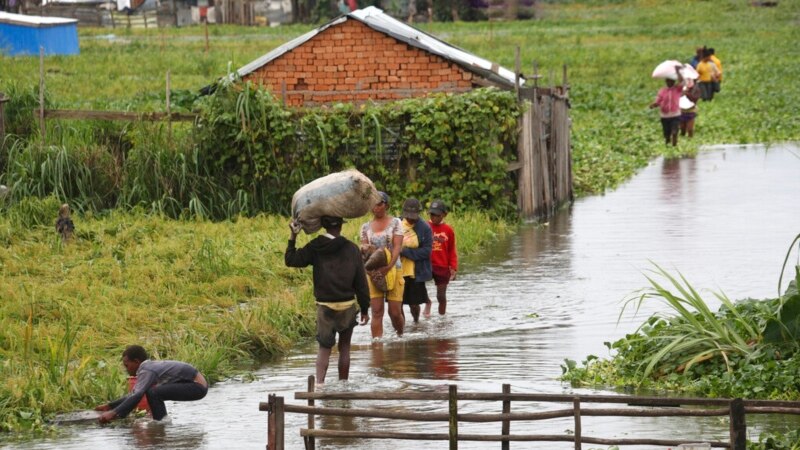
(544,149)
(735,409)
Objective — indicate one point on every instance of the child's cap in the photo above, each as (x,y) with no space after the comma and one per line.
(411,209)
(438,207)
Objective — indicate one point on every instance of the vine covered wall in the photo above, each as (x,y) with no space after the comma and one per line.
(455,147)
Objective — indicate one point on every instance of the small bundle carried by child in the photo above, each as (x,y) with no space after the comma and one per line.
(346,194)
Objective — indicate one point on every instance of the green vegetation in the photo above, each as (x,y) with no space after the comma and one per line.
(215,294)
(609,47)
(747,349)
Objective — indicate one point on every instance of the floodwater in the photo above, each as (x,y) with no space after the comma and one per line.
(724,219)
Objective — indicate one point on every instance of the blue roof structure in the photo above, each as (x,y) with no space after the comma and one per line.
(23,35)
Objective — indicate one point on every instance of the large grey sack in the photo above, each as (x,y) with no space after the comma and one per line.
(342,194)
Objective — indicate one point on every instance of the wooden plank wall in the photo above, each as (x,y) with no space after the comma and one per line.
(544,153)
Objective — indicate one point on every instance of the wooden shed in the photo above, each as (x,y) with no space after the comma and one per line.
(368,55)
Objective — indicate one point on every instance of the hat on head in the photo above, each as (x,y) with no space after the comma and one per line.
(384,197)
(411,208)
(438,207)
(331,222)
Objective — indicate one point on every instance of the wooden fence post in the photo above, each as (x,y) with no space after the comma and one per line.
(41,95)
(275,423)
(506,428)
(576,408)
(271,423)
(310,444)
(738,425)
(169,111)
(453,417)
(279,424)
(3,100)
(517,74)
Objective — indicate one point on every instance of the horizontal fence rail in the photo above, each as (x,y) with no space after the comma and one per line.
(735,409)
(80,114)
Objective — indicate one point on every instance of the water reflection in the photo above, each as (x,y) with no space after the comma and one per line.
(428,358)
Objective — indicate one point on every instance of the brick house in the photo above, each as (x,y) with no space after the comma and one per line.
(368,55)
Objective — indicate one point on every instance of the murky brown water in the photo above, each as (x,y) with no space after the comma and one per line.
(724,219)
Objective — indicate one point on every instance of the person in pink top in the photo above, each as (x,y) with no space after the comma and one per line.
(444,257)
(668,103)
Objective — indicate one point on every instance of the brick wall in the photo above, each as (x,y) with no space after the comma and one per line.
(351,62)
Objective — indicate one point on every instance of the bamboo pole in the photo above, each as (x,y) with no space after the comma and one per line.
(453,408)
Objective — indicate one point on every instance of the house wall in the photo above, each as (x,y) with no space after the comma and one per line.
(351,62)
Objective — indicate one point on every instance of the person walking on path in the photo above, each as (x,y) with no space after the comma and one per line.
(668,103)
(415,257)
(385,232)
(444,258)
(158,381)
(689,107)
(709,74)
(717,86)
(340,287)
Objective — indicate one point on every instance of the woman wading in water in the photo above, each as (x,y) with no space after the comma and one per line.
(385,232)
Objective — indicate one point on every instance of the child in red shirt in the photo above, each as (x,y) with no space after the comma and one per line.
(444,258)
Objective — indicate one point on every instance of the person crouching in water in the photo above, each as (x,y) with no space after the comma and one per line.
(339,282)
(158,381)
(668,103)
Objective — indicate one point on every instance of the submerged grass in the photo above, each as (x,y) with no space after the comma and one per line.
(215,294)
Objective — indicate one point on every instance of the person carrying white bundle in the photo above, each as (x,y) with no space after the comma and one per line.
(346,194)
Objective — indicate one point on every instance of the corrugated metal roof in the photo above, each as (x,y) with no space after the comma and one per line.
(33,21)
(384,23)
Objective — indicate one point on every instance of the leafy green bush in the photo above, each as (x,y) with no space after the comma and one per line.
(426,147)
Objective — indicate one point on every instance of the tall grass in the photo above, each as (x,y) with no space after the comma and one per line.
(693,333)
(215,294)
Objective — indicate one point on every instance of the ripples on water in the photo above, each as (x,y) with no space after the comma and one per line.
(724,219)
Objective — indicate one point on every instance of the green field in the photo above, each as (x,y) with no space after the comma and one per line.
(610,49)
(217,294)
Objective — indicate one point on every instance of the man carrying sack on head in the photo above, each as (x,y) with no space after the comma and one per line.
(339,279)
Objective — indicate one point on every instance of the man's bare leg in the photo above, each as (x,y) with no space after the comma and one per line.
(344,354)
(323,356)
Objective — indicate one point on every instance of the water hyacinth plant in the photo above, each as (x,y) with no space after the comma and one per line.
(748,348)
(693,333)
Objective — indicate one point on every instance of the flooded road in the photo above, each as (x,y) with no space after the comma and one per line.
(724,219)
